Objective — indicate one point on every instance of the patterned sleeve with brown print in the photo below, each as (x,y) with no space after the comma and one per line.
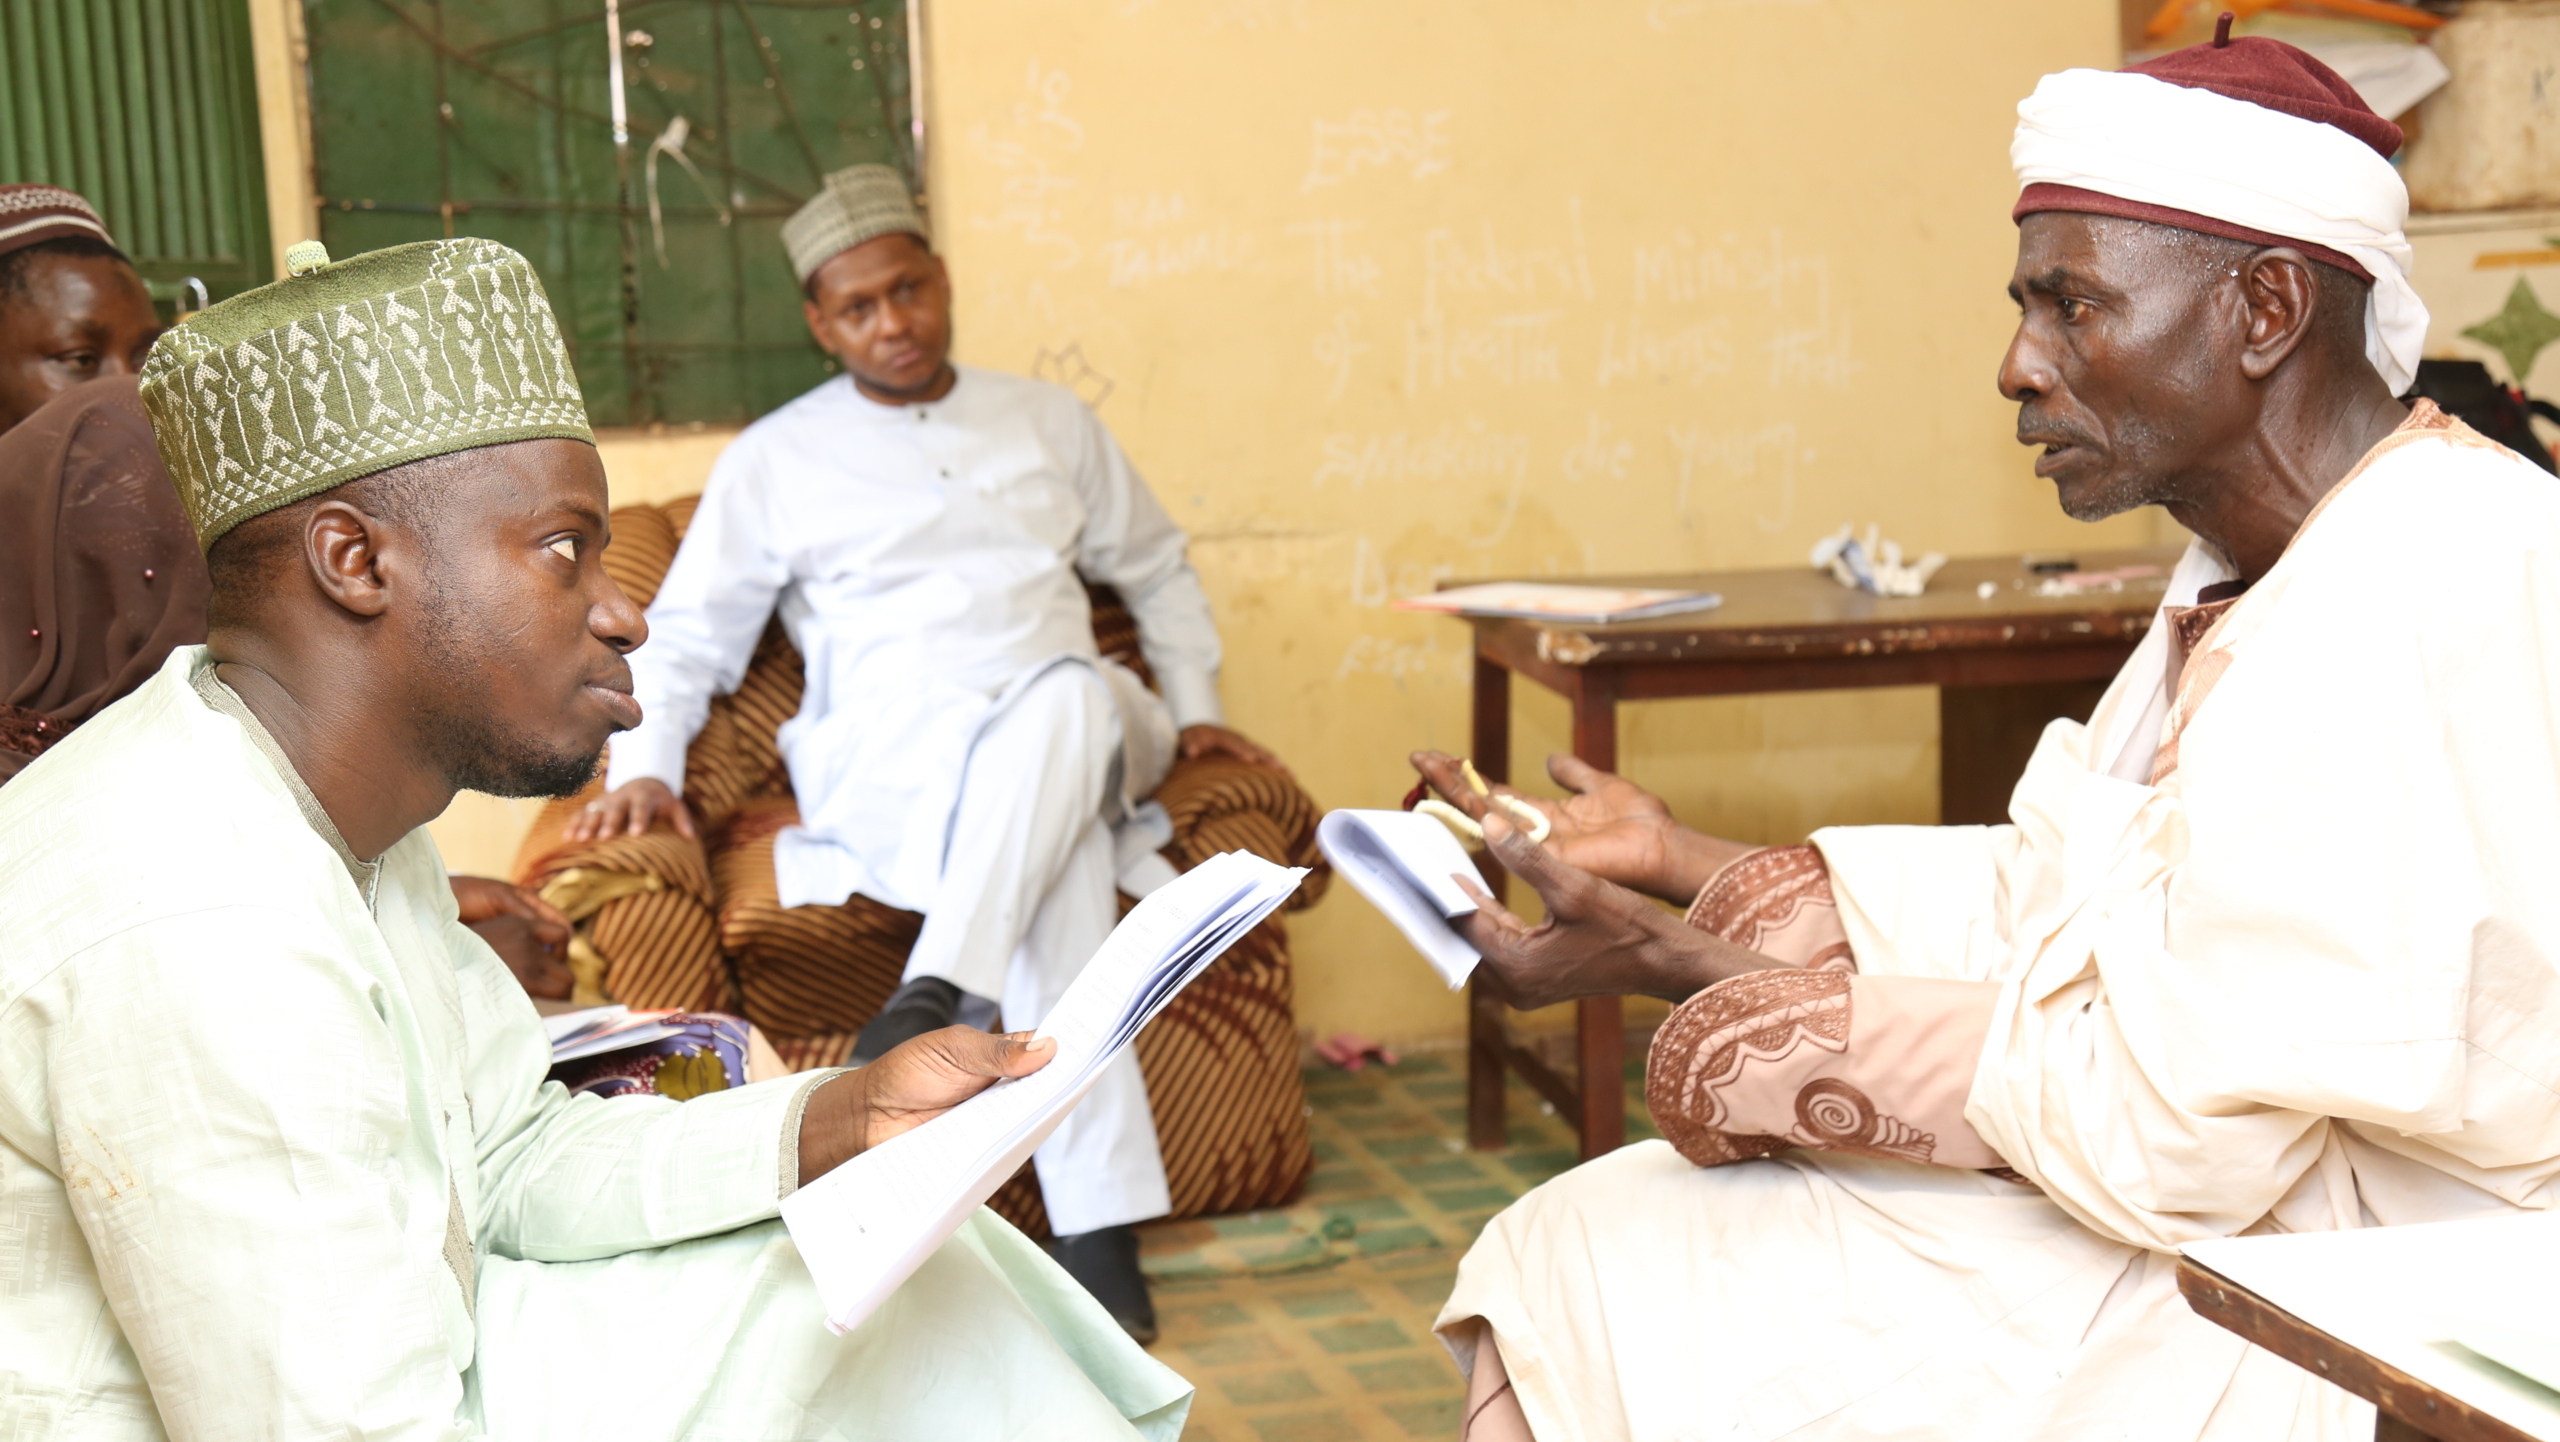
(1814,1055)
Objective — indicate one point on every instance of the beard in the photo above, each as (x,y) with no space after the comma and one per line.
(476,752)
(474,748)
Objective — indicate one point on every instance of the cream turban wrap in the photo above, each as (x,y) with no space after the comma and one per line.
(2182,148)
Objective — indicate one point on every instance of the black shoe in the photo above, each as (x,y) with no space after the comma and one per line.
(1106,1262)
(925,1004)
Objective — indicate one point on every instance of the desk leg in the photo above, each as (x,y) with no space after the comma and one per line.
(2387,1428)
(1600,1021)
(1491,748)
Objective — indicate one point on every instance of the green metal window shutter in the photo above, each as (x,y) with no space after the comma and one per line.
(150,109)
(492,118)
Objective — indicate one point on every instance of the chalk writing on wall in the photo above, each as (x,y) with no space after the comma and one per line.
(1406,143)
(1454,452)
(1028,149)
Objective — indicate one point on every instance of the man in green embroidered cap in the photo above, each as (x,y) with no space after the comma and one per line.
(279,1152)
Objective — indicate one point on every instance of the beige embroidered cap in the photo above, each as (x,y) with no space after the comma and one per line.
(341,370)
(857,203)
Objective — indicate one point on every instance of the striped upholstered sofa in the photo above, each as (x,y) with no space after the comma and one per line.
(667,922)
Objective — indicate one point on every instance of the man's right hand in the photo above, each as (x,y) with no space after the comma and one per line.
(1609,827)
(631,809)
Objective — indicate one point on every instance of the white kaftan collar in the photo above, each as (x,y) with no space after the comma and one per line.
(215,693)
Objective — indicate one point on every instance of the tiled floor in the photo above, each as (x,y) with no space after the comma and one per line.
(1313,1323)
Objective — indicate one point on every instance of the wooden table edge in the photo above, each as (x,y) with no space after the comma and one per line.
(2236,1309)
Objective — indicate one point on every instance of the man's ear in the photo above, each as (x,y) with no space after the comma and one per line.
(344,547)
(2283,296)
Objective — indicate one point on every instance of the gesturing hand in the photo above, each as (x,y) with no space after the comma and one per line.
(630,809)
(1598,939)
(1609,826)
(528,933)
(914,1082)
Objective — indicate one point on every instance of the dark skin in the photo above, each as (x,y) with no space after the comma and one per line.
(883,310)
(81,317)
(2219,382)
(528,933)
(380,637)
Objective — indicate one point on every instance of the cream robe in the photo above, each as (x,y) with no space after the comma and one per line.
(2306,980)
(277,1159)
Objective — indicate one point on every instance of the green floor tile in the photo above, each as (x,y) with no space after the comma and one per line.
(1331,1302)
(1471,1199)
(1424,1145)
(1428,1291)
(1437,1091)
(1541,1164)
(1234,1351)
(1369,1336)
(1252,1224)
(1258,1388)
(1368,1209)
(1210,1314)
(1346,1181)
(1394,1239)
(1405,1374)
(1442,1170)
(1436,1418)
(1307,1427)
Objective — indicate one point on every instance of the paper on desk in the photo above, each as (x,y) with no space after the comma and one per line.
(1548,601)
(866,1226)
(2433,1299)
(1405,863)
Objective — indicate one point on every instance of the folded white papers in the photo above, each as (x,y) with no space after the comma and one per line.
(866,1226)
(1407,865)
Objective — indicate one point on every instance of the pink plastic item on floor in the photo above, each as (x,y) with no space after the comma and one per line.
(1351,1051)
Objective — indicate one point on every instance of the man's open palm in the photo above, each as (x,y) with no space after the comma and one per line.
(1609,827)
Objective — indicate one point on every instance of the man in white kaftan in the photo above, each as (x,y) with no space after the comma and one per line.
(2268,945)
(924,532)
(279,1160)
(278,1155)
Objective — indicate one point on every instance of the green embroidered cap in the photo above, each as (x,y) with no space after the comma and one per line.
(857,203)
(339,371)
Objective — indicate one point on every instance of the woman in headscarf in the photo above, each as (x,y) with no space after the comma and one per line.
(99,574)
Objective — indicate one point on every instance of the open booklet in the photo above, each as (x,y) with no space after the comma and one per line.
(600,1029)
(1406,863)
(866,1226)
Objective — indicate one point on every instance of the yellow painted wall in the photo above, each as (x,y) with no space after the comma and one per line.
(1380,294)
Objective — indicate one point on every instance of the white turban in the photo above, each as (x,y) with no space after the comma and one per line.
(2184,148)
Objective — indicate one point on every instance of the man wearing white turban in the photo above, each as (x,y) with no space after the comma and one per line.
(2268,944)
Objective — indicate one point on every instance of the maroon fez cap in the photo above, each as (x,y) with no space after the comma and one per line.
(2267,73)
(33,214)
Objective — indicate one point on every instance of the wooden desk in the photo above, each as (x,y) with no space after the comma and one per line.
(2368,1310)
(2004,666)
(2410,1410)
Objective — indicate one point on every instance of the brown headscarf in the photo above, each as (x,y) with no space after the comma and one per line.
(100,578)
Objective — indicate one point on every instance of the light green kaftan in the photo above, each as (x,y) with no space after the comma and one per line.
(277,1159)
